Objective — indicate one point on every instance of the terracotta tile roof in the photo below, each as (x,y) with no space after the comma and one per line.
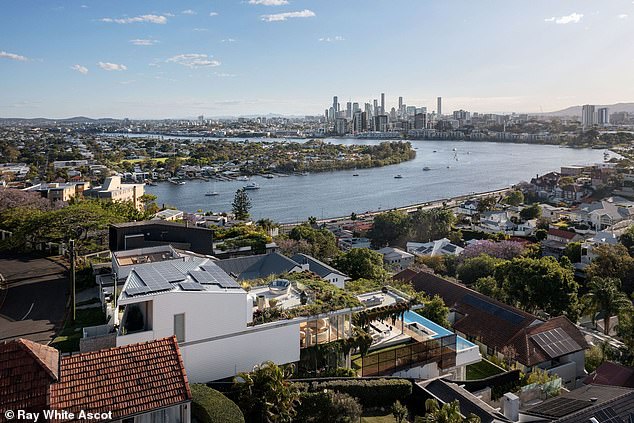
(405,275)
(612,374)
(27,369)
(530,353)
(560,233)
(126,380)
(489,321)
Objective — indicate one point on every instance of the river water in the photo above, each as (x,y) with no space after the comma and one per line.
(471,167)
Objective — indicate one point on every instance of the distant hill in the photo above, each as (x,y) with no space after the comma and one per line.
(40,121)
(576,110)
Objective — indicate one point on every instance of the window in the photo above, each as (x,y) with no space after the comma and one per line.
(179,327)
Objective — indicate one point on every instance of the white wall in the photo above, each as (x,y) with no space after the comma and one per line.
(427,371)
(207,314)
(221,358)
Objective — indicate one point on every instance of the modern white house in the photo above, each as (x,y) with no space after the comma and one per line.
(600,238)
(440,247)
(212,318)
(396,258)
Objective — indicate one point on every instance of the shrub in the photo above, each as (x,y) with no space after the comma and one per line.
(370,392)
(210,406)
(327,407)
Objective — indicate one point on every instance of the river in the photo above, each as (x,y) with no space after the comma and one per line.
(472,167)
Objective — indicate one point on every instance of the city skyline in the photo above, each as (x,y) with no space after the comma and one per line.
(183,59)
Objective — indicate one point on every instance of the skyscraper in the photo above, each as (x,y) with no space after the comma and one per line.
(376,107)
(588,118)
(439,107)
(349,110)
(603,116)
(382,103)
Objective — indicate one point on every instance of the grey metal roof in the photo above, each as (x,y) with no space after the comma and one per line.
(316,266)
(605,403)
(257,267)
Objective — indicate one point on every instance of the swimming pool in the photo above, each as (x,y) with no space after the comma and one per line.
(413,317)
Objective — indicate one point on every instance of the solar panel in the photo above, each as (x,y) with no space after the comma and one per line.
(136,290)
(191,286)
(555,342)
(607,415)
(170,273)
(202,277)
(153,279)
(221,277)
(493,309)
(560,407)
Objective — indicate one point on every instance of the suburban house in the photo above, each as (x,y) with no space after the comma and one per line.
(212,317)
(551,213)
(259,266)
(136,383)
(605,213)
(557,240)
(324,271)
(600,238)
(555,345)
(468,208)
(396,258)
(113,190)
(440,247)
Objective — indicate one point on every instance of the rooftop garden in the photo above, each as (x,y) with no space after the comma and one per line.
(320,297)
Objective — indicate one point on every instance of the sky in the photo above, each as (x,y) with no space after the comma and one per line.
(180,59)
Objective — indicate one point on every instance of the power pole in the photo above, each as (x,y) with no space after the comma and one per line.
(72,275)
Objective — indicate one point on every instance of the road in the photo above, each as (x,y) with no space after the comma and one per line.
(33,298)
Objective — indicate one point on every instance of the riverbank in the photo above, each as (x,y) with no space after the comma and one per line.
(470,168)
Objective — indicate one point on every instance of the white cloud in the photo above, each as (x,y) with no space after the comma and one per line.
(332,39)
(200,29)
(623,16)
(279,17)
(143,42)
(112,66)
(269,2)
(194,60)
(563,20)
(228,40)
(212,14)
(83,6)
(155,19)
(79,68)
(188,12)
(13,56)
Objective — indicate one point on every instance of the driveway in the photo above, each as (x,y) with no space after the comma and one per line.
(33,301)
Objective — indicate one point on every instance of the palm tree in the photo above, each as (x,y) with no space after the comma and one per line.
(605,296)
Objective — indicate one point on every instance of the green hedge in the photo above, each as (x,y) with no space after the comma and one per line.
(210,406)
(370,392)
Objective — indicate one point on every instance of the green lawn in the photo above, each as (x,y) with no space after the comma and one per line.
(68,338)
(377,417)
(482,370)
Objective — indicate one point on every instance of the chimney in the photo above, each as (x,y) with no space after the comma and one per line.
(511,406)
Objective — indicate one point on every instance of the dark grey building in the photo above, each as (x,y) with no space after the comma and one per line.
(131,235)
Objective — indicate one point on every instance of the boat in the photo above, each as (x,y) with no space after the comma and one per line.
(427,168)
(435,151)
(176,182)
(304,174)
(448,167)
(252,186)
(151,184)
(243,178)
(455,149)
(355,174)
(268,176)
(211,194)
(398,177)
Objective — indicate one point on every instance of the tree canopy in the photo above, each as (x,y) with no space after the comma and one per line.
(361,263)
